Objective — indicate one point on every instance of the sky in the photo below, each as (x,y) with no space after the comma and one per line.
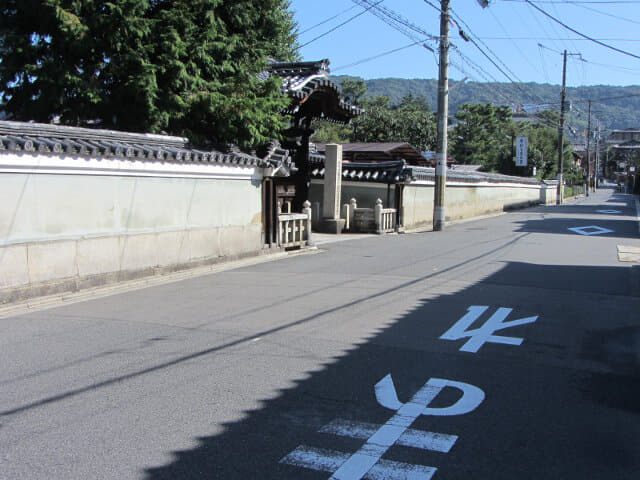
(524,44)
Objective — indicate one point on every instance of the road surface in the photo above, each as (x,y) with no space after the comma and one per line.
(502,348)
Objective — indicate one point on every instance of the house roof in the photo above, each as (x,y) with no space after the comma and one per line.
(38,138)
(378,151)
(303,82)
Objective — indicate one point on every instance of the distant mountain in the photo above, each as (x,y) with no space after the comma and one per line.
(613,114)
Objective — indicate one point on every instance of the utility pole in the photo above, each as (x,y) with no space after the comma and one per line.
(443,114)
(595,174)
(563,97)
(588,152)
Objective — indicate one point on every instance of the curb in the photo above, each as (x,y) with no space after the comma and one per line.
(66,298)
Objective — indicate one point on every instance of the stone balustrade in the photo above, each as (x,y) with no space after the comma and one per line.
(294,229)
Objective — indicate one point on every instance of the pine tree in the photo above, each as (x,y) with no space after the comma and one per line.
(185,67)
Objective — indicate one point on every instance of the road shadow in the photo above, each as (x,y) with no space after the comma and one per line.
(562,390)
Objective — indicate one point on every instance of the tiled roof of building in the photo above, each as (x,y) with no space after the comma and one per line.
(379,172)
(398,171)
(39,138)
(301,79)
(378,151)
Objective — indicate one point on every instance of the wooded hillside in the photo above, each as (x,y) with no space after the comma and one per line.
(613,114)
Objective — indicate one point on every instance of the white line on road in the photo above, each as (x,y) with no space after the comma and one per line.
(485,333)
(324,460)
(437,442)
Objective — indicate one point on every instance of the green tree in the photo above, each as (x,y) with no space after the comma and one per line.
(354,90)
(416,122)
(410,121)
(184,67)
(483,136)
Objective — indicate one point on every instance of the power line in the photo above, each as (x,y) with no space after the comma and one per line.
(522,54)
(395,20)
(579,33)
(326,20)
(469,35)
(562,39)
(338,26)
(630,20)
(602,2)
(375,57)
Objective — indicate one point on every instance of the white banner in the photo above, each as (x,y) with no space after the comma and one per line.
(522,144)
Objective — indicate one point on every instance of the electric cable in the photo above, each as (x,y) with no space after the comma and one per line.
(326,20)
(579,33)
(338,26)
(618,17)
(375,57)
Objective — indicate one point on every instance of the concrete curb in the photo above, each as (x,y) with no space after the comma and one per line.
(65,298)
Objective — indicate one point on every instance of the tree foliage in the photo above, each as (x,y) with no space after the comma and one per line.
(482,136)
(411,120)
(486,135)
(184,67)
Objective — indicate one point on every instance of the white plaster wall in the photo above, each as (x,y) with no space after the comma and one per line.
(417,204)
(56,226)
(36,207)
(464,201)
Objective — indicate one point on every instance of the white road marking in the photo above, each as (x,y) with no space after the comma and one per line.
(608,211)
(367,462)
(386,394)
(435,442)
(330,460)
(590,230)
(388,434)
(484,334)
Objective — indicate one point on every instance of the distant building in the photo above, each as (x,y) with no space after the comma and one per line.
(379,152)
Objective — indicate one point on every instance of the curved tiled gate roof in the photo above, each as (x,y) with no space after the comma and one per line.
(301,80)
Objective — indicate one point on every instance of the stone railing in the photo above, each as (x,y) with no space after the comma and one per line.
(373,220)
(294,229)
(385,218)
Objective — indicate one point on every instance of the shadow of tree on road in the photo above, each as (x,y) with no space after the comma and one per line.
(557,392)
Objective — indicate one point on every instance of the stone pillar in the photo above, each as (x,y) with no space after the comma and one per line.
(331,221)
(306,209)
(378,216)
(353,204)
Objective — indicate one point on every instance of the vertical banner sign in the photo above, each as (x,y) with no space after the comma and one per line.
(522,145)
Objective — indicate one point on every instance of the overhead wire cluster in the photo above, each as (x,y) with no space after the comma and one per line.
(461,61)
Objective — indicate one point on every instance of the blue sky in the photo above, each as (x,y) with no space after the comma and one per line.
(522,41)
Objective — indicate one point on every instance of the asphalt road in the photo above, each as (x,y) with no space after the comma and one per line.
(387,357)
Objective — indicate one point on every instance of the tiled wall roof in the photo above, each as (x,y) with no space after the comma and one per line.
(61,140)
(398,171)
